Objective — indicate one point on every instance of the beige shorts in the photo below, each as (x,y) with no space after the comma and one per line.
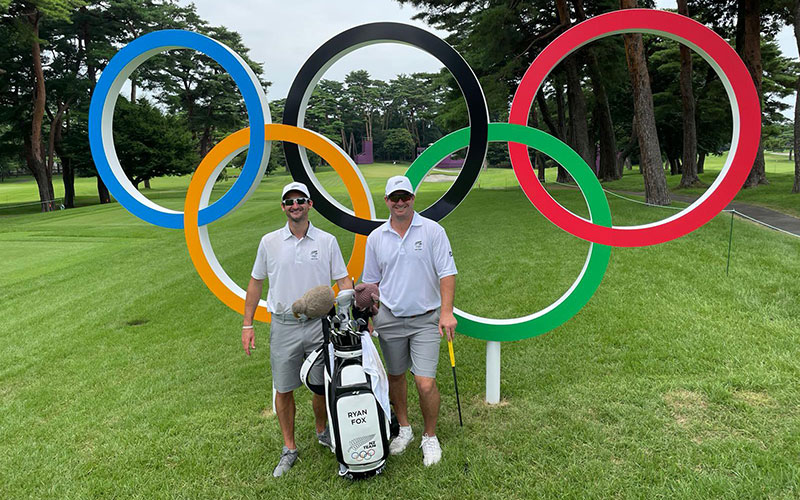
(409,342)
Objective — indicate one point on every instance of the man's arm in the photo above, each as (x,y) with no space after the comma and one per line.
(345,283)
(254,289)
(447,321)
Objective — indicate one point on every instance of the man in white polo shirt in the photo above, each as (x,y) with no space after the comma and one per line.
(295,259)
(410,259)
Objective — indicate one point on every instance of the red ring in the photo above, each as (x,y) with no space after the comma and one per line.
(732,72)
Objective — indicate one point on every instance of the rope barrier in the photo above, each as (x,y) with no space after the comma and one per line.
(730,210)
(33,203)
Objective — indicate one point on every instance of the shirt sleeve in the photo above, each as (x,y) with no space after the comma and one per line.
(372,271)
(338,269)
(443,261)
(260,266)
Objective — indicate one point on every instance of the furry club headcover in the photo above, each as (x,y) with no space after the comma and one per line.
(367,297)
(315,303)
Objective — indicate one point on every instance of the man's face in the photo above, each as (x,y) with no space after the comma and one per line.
(400,203)
(297,212)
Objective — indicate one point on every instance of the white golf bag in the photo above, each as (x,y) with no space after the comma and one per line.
(358,422)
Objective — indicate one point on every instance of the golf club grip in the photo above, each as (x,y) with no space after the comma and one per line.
(452,354)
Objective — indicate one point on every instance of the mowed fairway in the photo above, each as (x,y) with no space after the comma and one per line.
(121,375)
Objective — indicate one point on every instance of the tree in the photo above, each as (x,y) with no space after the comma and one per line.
(398,144)
(22,21)
(689,173)
(748,44)
(579,131)
(150,144)
(655,182)
(796,24)
(364,97)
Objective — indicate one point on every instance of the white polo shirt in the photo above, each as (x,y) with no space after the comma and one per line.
(294,266)
(409,268)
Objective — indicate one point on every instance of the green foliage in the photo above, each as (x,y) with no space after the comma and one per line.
(398,144)
(150,144)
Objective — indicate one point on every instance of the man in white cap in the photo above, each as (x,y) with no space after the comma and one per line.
(295,258)
(410,259)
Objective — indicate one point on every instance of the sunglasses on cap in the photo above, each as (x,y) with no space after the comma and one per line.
(395,197)
(288,202)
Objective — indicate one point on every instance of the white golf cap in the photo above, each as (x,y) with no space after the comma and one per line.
(398,183)
(295,186)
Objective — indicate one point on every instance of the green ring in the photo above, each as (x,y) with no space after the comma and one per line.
(596,263)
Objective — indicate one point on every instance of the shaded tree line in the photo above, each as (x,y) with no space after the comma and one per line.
(176,105)
(625,99)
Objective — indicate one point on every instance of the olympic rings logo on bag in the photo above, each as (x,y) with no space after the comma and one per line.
(362,455)
(598,230)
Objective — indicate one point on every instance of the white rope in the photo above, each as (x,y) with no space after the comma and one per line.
(32,203)
(740,214)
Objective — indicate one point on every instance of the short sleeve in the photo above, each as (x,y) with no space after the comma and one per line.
(338,269)
(443,261)
(372,271)
(260,266)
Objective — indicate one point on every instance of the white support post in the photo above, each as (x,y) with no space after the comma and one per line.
(492,372)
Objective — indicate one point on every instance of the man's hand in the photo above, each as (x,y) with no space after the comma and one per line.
(248,339)
(447,325)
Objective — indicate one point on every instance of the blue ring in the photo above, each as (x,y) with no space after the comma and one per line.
(254,100)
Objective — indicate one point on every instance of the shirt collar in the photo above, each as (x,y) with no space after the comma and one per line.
(416,220)
(310,234)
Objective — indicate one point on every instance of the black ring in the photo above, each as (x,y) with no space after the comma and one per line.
(362,35)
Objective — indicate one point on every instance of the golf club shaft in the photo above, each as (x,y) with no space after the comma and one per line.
(455,380)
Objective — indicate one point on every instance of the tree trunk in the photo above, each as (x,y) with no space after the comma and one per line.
(605,126)
(610,168)
(689,175)
(796,186)
(68,173)
(655,182)
(575,98)
(91,71)
(625,154)
(563,176)
(577,111)
(68,177)
(538,161)
(34,154)
(102,191)
(701,161)
(548,120)
(748,44)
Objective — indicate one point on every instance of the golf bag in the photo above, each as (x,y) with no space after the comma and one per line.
(360,428)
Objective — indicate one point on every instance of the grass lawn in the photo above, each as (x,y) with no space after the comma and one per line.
(121,375)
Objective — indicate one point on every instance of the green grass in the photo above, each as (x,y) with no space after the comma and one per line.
(121,375)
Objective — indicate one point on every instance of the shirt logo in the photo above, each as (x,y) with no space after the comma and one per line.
(314,254)
(418,245)
(451,253)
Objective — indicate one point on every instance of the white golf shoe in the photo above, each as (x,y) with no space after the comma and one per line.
(401,442)
(431,451)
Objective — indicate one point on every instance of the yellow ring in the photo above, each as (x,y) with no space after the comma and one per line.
(197,198)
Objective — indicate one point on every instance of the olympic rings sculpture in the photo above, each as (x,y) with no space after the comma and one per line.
(598,229)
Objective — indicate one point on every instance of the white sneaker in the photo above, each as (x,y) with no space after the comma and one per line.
(431,451)
(401,442)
